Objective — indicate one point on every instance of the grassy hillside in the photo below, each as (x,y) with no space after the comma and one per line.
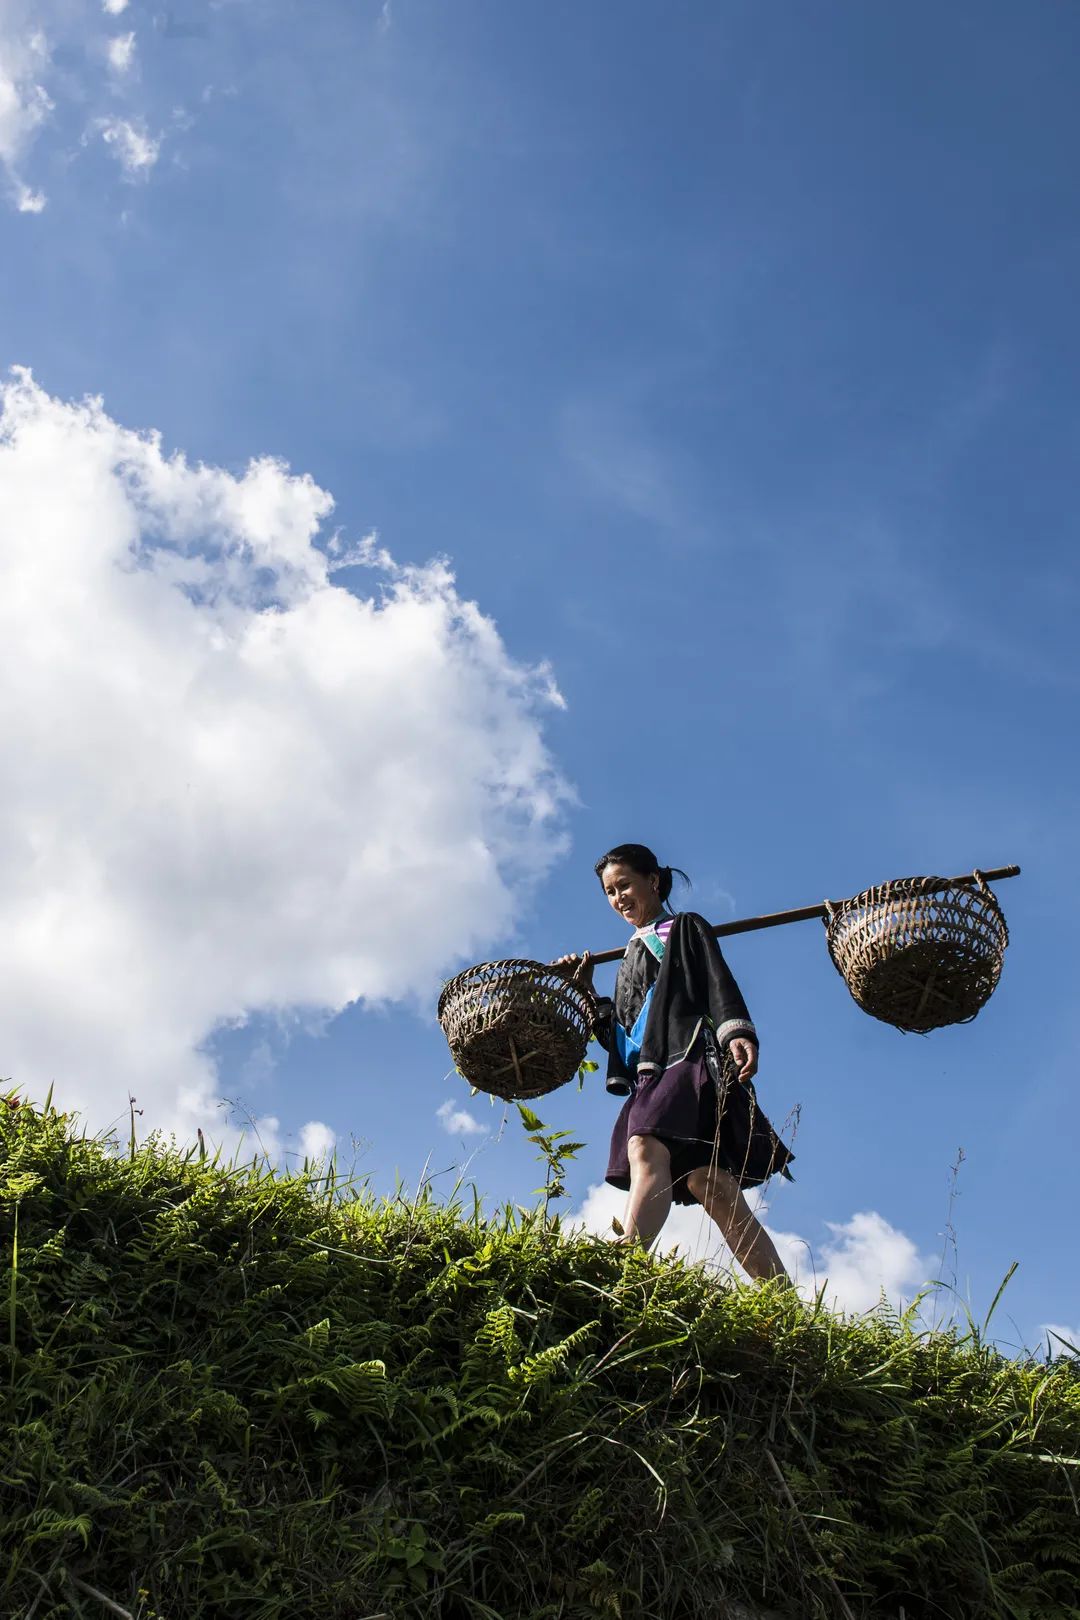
(229,1393)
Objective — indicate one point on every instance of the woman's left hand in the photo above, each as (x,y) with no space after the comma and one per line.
(578,969)
(743,1054)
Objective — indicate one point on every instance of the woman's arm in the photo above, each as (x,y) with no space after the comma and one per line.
(735,1031)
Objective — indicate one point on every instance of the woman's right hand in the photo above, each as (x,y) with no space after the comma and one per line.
(578,969)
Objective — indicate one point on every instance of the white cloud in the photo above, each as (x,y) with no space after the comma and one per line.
(261,1137)
(317,1141)
(114,8)
(230,784)
(864,1257)
(458,1121)
(24,106)
(92,68)
(121,52)
(27,201)
(134,149)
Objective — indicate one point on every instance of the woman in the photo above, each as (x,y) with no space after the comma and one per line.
(683,1051)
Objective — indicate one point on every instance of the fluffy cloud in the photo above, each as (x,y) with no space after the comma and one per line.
(317,1141)
(862,1259)
(24,106)
(134,148)
(231,784)
(458,1121)
(94,72)
(121,52)
(27,201)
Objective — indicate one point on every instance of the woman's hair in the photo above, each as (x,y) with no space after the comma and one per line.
(639,858)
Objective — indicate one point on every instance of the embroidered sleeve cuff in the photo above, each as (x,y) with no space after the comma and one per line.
(736,1029)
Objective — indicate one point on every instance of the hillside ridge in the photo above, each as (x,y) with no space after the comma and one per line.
(233,1391)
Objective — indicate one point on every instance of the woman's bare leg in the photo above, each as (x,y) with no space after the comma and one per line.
(650,1188)
(721,1197)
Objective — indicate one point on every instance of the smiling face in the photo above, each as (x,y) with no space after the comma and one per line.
(635,896)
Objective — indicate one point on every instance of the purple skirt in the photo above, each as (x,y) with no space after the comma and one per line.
(704,1116)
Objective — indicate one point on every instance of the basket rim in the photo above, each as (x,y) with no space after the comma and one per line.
(908,887)
(521,964)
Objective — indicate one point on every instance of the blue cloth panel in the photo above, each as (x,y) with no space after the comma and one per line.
(629,1041)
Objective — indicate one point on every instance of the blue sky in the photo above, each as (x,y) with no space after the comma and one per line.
(728,353)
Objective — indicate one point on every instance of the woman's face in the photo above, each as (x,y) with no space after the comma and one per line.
(633,896)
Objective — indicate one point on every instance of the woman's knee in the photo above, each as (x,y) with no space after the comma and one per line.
(647,1152)
(714,1186)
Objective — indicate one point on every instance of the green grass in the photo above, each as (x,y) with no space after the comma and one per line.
(230,1393)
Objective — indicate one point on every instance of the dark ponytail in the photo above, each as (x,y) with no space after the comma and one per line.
(640,858)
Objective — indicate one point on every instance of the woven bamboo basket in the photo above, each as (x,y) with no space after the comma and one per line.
(516,1029)
(921,952)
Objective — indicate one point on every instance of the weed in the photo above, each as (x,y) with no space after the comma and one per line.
(235,1392)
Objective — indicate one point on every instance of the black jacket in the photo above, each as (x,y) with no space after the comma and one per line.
(692,988)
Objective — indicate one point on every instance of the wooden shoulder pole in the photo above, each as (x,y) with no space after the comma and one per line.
(776,919)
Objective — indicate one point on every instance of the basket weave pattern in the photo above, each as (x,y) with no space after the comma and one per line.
(516,1029)
(920,952)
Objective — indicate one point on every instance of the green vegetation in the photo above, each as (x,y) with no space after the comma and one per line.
(230,1393)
